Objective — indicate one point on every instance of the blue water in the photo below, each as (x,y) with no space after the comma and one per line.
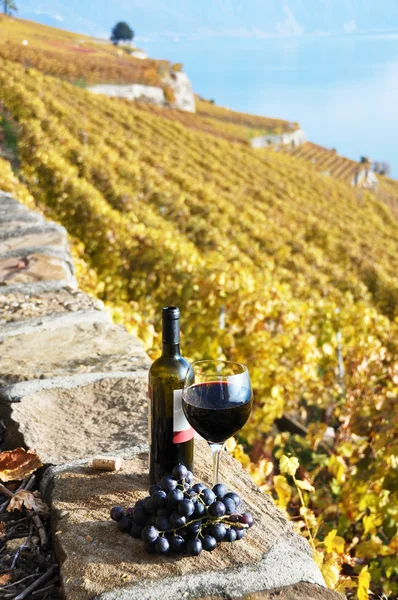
(342,90)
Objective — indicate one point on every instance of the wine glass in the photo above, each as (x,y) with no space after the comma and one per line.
(217,400)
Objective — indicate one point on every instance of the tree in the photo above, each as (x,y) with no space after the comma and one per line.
(9,6)
(121,32)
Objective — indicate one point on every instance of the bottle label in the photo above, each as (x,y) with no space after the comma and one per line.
(182,431)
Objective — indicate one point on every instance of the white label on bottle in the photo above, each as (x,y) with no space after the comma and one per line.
(182,431)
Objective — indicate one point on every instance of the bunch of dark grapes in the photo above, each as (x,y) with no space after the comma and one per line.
(179,518)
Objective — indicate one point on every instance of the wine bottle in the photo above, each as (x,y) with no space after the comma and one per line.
(170,435)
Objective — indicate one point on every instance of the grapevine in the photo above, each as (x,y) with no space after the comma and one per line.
(304,270)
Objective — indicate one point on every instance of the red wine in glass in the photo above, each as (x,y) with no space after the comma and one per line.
(218,402)
(217,409)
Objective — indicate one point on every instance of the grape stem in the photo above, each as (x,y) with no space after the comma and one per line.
(209,521)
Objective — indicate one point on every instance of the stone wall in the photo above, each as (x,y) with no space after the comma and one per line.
(294,139)
(72,385)
(178,82)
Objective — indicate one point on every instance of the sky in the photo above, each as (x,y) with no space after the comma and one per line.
(331,65)
(203,19)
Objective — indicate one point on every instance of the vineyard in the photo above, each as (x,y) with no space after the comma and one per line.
(388,192)
(240,125)
(328,161)
(74,57)
(305,270)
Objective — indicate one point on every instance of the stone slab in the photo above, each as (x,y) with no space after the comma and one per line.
(107,415)
(97,561)
(33,237)
(53,321)
(33,267)
(68,350)
(12,222)
(19,307)
(300,591)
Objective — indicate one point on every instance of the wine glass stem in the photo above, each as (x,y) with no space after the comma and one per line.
(215,450)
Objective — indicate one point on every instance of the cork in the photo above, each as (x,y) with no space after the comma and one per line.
(107,463)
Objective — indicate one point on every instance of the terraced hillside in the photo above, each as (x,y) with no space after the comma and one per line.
(328,161)
(388,192)
(240,125)
(305,270)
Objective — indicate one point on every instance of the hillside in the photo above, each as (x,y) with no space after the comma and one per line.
(162,213)
(84,61)
(75,57)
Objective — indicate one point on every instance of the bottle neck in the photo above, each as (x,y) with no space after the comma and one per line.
(171,350)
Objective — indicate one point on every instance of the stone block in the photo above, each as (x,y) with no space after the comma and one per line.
(107,414)
(97,561)
(33,267)
(300,591)
(33,237)
(20,307)
(68,345)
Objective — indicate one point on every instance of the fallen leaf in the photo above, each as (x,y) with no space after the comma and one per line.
(5,578)
(2,527)
(18,464)
(28,500)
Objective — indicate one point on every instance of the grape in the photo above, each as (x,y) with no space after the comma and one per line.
(191,494)
(163,523)
(229,505)
(150,548)
(168,483)
(185,508)
(136,530)
(117,513)
(217,509)
(149,505)
(159,499)
(234,496)
(208,496)
(234,518)
(198,487)
(129,511)
(164,512)
(194,547)
(177,520)
(124,524)
(139,503)
(162,545)
(209,543)
(239,533)
(246,519)
(140,515)
(175,496)
(150,534)
(177,543)
(218,531)
(230,535)
(155,487)
(183,532)
(189,477)
(199,511)
(194,528)
(220,490)
(180,472)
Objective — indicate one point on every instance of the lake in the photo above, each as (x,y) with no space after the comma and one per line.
(342,90)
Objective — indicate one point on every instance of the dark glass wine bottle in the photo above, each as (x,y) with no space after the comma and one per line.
(170,435)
